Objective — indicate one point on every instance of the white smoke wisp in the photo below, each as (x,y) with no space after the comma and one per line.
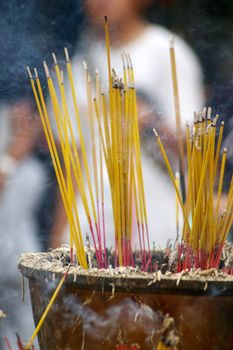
(128,315)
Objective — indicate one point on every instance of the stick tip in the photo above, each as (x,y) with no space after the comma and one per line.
(102,89)
(85,65)
(204,111)
(171,41)
(222,123)
(127,59)
(130,61)
(199,117)
(66,54)
(195,117)
(215,120)
(54,58)
(209,112)
(123,60)
(46,69)
(106,18)
(155,132)
(225,150)
(29,72)
(36,73)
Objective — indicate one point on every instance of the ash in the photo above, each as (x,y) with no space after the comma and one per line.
(164,263)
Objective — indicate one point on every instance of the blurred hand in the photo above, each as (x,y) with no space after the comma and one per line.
(2,181)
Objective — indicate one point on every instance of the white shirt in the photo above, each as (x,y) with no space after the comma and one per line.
(151,61)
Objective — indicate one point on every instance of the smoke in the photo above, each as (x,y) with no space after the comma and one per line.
(127,316)
(30,31)
(17,43)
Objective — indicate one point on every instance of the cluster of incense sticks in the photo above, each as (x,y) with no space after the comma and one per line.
(207,220)
(117,144)
(123,160)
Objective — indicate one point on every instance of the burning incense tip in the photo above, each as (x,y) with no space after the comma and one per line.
(29,72)
(54,58)
(204,113)
(66,54)
(84,65)
(171,41)
(102,90)
(127,59)
(223,213)
(36,73)
(106,18)
(209,112)
(200,118)
(222,123)
(187,124)
(155,132)
(130,61)
(123,60)
(96,71)
(215,119)
(195,117)
(46,70)
(225,150)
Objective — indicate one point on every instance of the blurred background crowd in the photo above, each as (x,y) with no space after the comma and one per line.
(30,31)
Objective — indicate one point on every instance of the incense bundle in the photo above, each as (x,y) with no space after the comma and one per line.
(206,225)
(116,121)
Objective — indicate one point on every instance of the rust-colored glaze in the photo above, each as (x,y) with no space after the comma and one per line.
(86,319)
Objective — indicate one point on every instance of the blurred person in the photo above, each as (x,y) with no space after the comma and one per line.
(22,180)
(148,46)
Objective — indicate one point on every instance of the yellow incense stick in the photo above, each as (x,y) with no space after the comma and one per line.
(227,220)
(220,185)
(218,147)
(177,206)
(172,177)
(108,51)
(177,114)
(78,122)
(48,308)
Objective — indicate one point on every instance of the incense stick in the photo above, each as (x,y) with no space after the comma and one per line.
(45,313)
(7,343)
(178,118)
